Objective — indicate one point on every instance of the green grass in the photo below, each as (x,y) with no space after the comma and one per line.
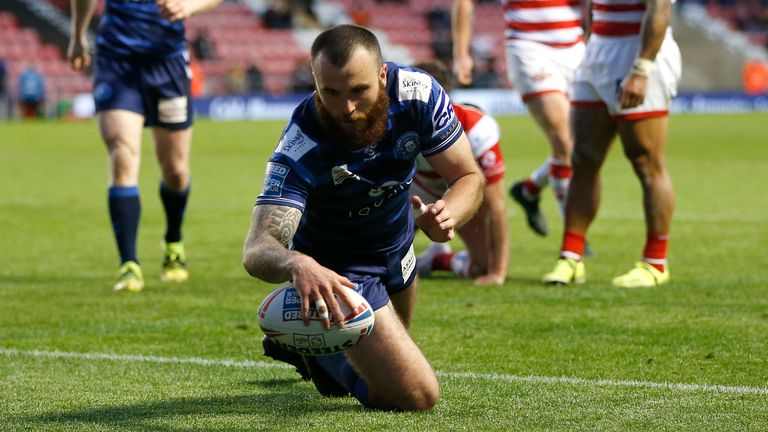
(709,327)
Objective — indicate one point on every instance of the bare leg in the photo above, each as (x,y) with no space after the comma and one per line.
(404,302)
(172,149)
(397,373)
(121,132)
(551,111)
(594,131)
(644,143)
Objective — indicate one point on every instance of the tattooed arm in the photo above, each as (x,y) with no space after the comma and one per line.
(266,256)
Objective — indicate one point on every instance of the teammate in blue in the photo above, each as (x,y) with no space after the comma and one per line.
(142,78)
(335,211)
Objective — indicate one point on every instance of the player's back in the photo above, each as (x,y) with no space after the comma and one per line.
(616,18)
(552,22)
(135,28)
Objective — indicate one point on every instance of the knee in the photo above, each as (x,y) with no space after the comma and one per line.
(423,399)
(585,161)
(646,166)
(175,177)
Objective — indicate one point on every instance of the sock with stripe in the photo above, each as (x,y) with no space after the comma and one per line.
(655,252)
(573,245)
(125,211)
(538,180)
(559,179)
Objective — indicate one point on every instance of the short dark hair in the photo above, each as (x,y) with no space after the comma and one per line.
(439,71)
(338,43)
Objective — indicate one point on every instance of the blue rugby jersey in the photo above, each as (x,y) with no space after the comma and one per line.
(135,27)
(355,203)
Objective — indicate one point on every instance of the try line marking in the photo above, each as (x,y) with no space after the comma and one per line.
(457,375)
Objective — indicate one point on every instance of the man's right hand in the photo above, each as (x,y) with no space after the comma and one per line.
(78,54)
(462,68)
(315,282)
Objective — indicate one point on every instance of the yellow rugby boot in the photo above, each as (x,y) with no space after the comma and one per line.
(643,275)
(567,271)
(174,263)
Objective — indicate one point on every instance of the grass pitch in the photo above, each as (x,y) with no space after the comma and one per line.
(692,355)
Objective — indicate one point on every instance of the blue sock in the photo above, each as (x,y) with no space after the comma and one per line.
(175,203)
(125,211)
(339,368)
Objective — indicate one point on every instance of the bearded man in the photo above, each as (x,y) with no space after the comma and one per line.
(335,214)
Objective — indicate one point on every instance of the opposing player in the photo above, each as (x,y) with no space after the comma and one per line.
(624,86)
(335,212)
(485,235)
(141,78)
(544,45)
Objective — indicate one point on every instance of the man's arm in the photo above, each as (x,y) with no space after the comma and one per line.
(496,235)
(78,52)
(266,256)
(462,19)
(176,10)
(658,14)
(465,191)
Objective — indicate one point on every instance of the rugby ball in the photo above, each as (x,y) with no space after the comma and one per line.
(280,320)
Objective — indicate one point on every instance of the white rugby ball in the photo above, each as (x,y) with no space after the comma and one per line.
(280,320)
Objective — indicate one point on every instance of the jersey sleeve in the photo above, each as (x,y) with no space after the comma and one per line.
(287,179)
(439,128)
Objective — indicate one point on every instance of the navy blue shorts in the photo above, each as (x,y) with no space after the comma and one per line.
(157,88)
(377,279)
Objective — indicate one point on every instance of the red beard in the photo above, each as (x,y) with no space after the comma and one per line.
(346,130)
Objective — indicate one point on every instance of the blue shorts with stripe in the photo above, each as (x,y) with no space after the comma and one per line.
(156,88)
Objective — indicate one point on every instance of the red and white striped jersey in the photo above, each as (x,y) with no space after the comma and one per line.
(614,18)
(555,23)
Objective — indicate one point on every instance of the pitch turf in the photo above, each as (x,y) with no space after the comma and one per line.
(690,356)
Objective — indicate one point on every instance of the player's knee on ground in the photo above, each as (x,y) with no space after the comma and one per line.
(421,397)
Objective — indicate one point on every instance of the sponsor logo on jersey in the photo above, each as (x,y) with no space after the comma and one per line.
(294,143)
(407,145)
(408,263)
(443,113)
(414,85)
(172,110)
(274,179)
(488,160)
(449,131)
(341,173)
(370,152)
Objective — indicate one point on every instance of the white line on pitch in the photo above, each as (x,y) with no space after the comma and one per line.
(458,375)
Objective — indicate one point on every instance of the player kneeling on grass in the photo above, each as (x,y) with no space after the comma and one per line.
(335,211)
(485,235)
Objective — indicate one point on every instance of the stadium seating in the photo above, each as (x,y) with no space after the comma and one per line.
(22,48)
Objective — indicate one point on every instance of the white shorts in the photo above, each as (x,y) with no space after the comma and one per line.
(609,59)
(535,68)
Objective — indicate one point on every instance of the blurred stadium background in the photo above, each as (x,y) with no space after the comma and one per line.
(251,56)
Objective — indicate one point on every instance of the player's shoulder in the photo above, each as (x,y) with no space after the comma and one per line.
(409,84)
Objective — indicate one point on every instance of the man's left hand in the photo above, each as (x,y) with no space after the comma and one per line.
(174,10)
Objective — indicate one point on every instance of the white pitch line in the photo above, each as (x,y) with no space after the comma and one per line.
(457,375)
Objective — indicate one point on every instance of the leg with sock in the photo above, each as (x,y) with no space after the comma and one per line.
(125,212)
(175,259)
(526,194)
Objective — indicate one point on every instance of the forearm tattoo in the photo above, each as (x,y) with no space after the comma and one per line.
(281,222)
